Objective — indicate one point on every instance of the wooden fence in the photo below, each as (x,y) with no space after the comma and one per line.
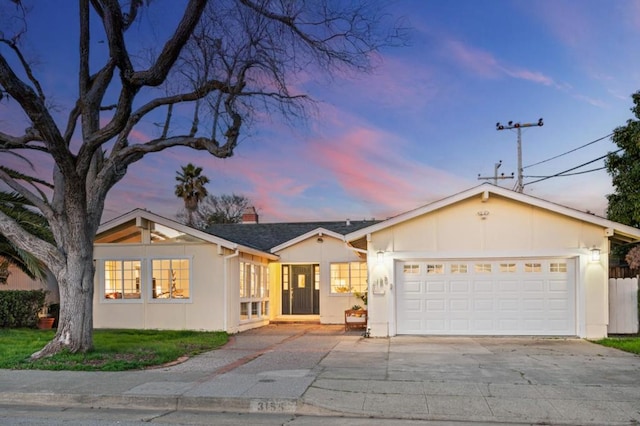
(623,306)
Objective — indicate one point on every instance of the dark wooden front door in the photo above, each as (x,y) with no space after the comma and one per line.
(300,292)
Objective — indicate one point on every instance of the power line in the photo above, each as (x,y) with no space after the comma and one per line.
(571,174)
(574,168)
(568,152)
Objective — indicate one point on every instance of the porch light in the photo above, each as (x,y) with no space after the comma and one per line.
(595,254)
(379,255)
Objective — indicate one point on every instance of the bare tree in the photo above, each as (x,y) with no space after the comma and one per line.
(225,60)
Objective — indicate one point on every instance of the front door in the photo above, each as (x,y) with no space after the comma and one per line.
(300,290)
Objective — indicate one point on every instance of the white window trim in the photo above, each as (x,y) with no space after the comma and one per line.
(250,300)
(101,272)
(350,292)
(149,285)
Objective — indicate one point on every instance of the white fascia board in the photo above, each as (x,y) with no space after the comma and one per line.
(314,233)
(482,190)
(132,215)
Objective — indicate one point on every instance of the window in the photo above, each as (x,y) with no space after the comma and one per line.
(349,277)
(558,267)
(482,268)
(122,279)
(171,278)
(412,269)
(532,267)
(458,268)
(435,269)
(254,290)
(507,267)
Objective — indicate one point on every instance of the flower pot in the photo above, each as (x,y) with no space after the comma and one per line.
(45,322)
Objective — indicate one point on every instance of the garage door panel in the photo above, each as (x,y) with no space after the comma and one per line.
(436,305)
(460,286)
(412,287)
(511,297)
(436,286)
(483,286)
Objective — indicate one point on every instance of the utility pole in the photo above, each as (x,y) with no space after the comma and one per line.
(495,174)
(518,127)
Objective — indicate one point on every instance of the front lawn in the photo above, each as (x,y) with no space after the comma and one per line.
(627,344)
(114,350)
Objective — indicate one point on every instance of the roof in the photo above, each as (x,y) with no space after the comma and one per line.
(275,236)
(615,229)
(144,214)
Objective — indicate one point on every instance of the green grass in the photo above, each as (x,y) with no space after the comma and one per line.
(627,344)
(114,350)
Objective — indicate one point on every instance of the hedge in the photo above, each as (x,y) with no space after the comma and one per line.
(19,308)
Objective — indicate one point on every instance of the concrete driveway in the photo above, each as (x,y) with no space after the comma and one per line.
(309,369)
(531,380)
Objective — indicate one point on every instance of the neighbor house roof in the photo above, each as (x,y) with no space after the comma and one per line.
(276,236)
(614,229)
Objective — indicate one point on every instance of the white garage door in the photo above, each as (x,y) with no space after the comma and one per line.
(486,297)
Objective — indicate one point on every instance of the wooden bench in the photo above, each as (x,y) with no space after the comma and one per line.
(355,319)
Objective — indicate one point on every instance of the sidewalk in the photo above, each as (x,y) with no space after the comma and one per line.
(321,370)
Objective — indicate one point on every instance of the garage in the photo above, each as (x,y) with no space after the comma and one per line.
(487,297)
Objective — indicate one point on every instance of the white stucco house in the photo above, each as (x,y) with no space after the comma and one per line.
(486,261)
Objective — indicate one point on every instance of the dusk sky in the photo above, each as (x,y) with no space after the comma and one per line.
(421,127)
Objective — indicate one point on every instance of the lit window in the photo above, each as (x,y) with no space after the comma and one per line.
(482,268)
(171,278)
(435,269)
(533,267)
(349,277)
(412,269)
(458,268)
(122,279)
(558,267)
(254,290)
(507,267)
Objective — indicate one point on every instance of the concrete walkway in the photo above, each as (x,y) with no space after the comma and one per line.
(321,370)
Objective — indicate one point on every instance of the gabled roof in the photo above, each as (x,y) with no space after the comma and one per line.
(137,214)
(623,232)
(277,236)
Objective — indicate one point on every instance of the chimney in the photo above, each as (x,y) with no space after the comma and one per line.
(249,215)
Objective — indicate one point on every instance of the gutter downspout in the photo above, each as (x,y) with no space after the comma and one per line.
(224,289)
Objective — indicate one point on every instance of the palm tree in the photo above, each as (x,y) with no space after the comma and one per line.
(191,189)
(19,208)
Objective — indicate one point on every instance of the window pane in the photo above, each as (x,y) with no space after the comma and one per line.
(411,269)
(122,279)
(458,268)
(435,269)
(532,267)
(339,278)
(507,267)
(482,268)
(285,278)
(558,267)
(171,278)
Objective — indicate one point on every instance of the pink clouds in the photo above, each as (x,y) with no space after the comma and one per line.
(370,166)
(484,64)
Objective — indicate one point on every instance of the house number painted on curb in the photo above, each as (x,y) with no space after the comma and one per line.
(272,406)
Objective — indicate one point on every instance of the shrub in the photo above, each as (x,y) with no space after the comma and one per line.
(19,308)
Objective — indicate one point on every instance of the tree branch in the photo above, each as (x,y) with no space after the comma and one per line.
(158,72)
(39,115)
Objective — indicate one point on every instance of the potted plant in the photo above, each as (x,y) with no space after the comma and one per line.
(45,319)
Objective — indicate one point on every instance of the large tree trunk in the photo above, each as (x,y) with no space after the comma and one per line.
(75,325)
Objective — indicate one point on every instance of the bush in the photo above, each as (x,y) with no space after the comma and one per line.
(19,308)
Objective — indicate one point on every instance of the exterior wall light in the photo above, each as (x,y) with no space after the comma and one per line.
(595,254)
